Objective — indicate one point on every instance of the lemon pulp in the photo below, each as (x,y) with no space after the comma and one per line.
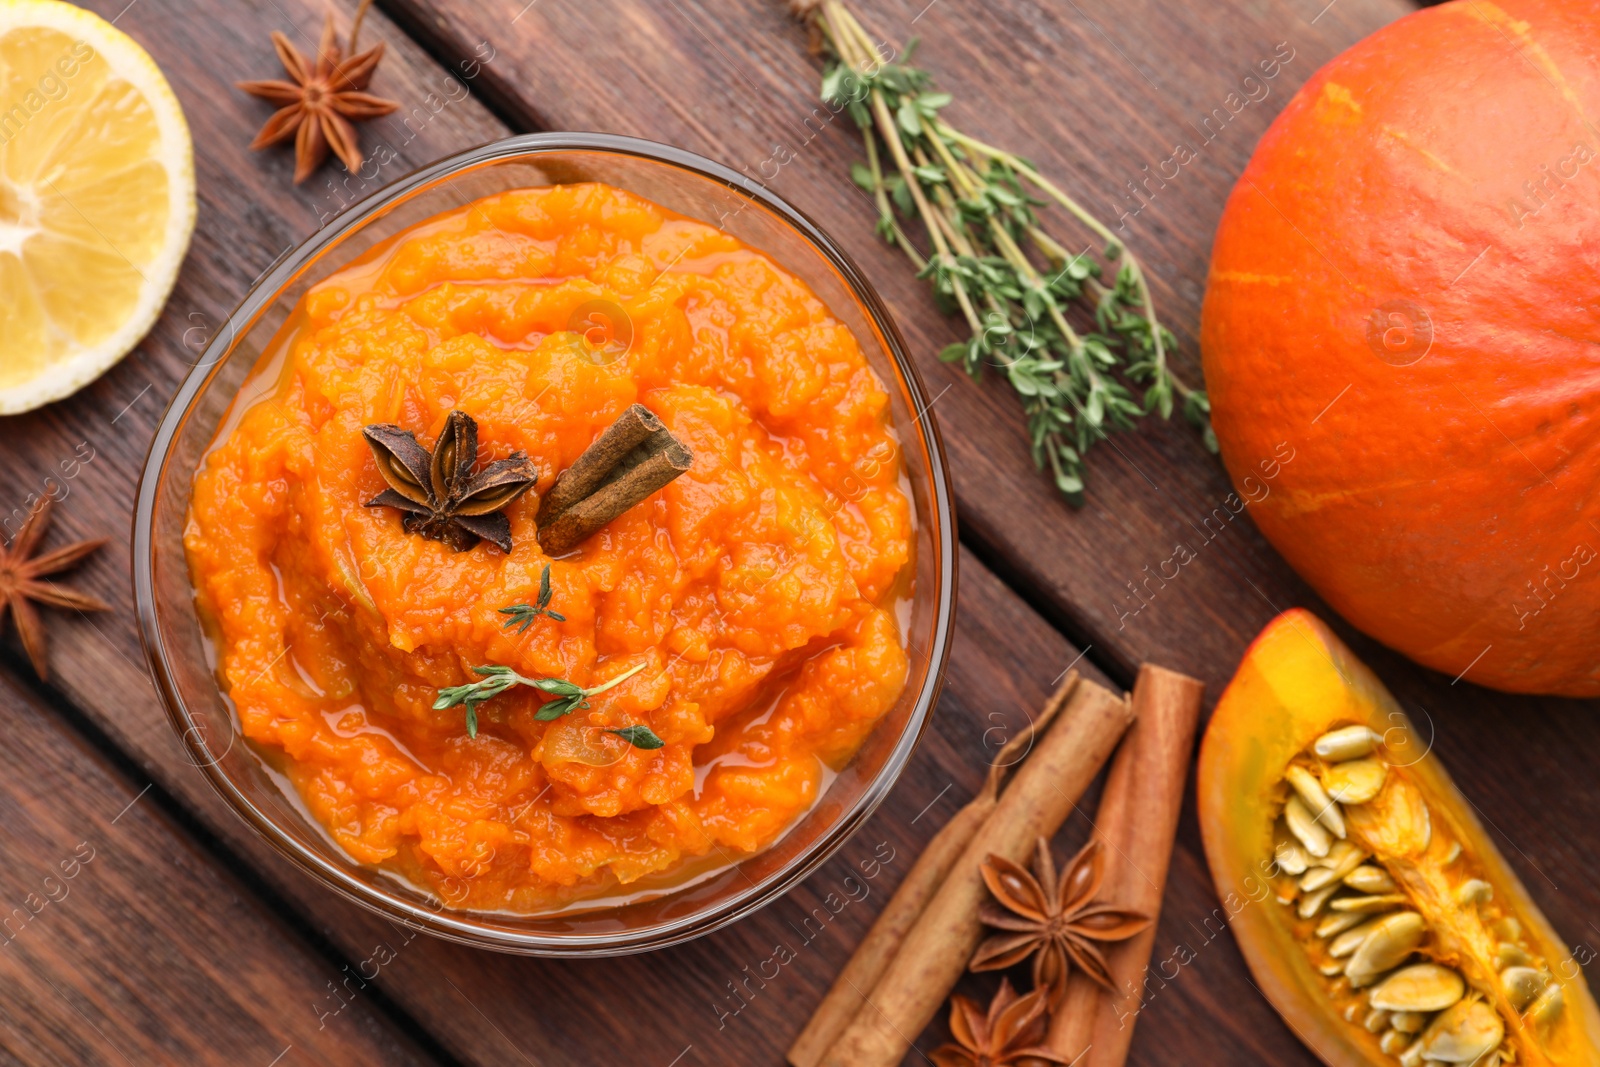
(96,199)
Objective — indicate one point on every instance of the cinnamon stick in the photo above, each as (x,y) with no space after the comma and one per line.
(1137,821)
(635,456)
(873,956)
(939,944)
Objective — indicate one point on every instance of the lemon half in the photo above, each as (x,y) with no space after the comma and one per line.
(96,198)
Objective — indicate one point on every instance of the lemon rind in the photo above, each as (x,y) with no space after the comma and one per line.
(130,62)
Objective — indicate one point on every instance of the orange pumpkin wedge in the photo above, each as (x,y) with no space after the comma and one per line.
(1391,930)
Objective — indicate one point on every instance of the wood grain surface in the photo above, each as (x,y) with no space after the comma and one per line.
(1095,94)
(120,942)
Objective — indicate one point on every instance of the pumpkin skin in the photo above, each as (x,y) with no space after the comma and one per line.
(1405,288)
(1298,681)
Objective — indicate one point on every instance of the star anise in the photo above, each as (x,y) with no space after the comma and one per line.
(20,585)
(318,106)
(1056,922)
(443,496)
(1007,1035)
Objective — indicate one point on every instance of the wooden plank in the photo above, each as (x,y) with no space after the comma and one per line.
(121,942)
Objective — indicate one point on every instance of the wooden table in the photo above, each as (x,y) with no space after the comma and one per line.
(182,938)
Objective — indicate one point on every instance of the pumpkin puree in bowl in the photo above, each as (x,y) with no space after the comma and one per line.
(759,589)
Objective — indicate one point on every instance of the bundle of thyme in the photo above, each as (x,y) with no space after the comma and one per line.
(993,260)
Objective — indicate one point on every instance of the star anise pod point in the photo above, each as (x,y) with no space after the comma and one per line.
(320,101)
(20,585)
(1007,1034)
(1055,921)
(441,495)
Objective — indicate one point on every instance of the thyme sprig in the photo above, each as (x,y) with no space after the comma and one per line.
(522,615)
(993,259)
(569,696)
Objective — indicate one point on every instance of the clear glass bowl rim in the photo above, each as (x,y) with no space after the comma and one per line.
(460,927)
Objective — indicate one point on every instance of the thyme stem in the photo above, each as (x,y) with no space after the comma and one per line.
(978,208)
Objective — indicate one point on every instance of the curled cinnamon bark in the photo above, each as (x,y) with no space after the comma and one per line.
(878,949)
(635,456)
(936,948)
(1137,821)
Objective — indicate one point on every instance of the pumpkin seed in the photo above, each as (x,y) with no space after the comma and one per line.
(1292,859)
(1375,1021)
(1331,969)
(1305,827)
(1393,1041)
(1339,854)
(1352,1012)
(1349,742)
(1318,877)
(1370,879)
(1522,985)
(1355,782)
(1408,1022)
(1316,799)
(1393,938)
(1509,955)
(1339,922)
(1548,1006)
(1474,891)
(1454,852)
(1412,1056)
(1463,1032)
(1508,928)
(1312,903)
(1370,904)
(1418,988)
(1350,940)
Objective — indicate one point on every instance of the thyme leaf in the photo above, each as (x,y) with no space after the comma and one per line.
(522,615)
(638,736)
(993,260)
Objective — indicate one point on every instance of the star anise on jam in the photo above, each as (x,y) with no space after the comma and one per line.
(321,101)
(1007,1035)
(443,496)
(20,585)
(1057,922)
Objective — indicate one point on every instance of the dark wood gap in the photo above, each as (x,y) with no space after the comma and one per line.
(490,90)
(123,765)
(1096,651)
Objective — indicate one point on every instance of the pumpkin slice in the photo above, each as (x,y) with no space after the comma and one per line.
(1390,930)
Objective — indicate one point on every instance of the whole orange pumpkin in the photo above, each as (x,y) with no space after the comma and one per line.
(1404,298)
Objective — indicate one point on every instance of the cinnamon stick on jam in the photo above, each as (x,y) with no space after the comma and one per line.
(635,456)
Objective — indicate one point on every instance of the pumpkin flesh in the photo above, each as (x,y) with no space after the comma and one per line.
(1298,683)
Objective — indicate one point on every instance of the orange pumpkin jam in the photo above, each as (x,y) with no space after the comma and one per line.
(759,589)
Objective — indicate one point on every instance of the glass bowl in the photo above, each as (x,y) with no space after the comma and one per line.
(184,667)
